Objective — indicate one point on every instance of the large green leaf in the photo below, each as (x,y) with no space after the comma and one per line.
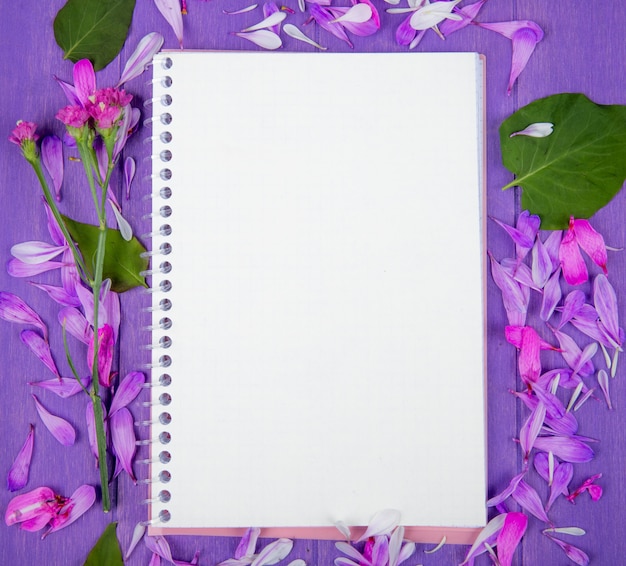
(576,170)
(123,262)
(93,29)
(106,552)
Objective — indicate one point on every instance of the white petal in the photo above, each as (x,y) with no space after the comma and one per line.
(358,14)
(440,545)
(263,38)
(382,523)
(301,5)
(293,31)
(400,10)
(433,14)
(241,11)
(573,531)
(271,20)
(393,2)
(138,533)
(122,224)
(536,130)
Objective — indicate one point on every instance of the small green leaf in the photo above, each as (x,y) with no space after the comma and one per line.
(123,263)
(577,169)
(106,552)
(93,29)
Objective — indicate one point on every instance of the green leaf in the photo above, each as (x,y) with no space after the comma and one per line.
(123,262)
(106,552)
(576,170)
(93,29)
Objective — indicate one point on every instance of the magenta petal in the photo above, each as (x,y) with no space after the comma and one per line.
(576,555)
(529,499)
(468,13)
(137,63)
(509,537)
(572,305)
(566,448)
(405,34)
(40,347)
(69,274)
(64,387)
(14,309)
(52,158)
(53,227)
(127,390)
(123,438)
(105,354)
(38,503)
(75,324)
(78,504)
(592,242)
(59,428)
(171,11)
(17,477)
(572,262)
(324,18)
(84,80)
(17,268)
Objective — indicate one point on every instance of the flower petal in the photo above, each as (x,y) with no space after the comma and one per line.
(293,31)
(572,262)
(430,15)
(14,309)
(138,532)
(34,252)
(127,390)
(170,10)
(52,158)
(84,80)
(17,478)
(129,174)
(468,14)
(76,324)
(551,295)
(592,242)
(531,428)
(64,387)
(36,503)
(357,13)
(541,264)
(79,503)
(105,354)
(271,20)
(487,536)
(241,10)
(40,347)
(573,553)
(247,544)
(529,499)
(137,63)
(58,294)
(274,552)
(17,268)
(509,537)
(566,448)
(603,381)
(324,18)
(382,523)
(123,438)
(122,224)
(605,302)
(59,428)
(536,130)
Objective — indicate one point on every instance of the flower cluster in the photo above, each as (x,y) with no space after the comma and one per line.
(549,437)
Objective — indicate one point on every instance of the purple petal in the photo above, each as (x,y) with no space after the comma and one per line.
(605,302)
(69,91)
(53,227)
(84,80)
(531,428)
(170,10)
(263,38)
(58,427)
(572,262)
(551,295)
(58,294)
(123,439)
(573,553)
(563,474)
(128,390)
(17,268)
(52,157)
(541,264)
(572,305)
(523,240)
(129,174)
(76,324)
(40,347)
(552,244)
(468,13)
(14,309)
(486,537)
(405,34)
(566,448)
(381,524)
(324,18)
(69,274)
(78,504)
(507,492)
(603,382)
(64,387)
(38,503)
(590,241)
(365,28)
(161,547)
(350,551)
(572,354)
(509,537)
(138,532)
(513,298)
(273,552)
(137,63)
(529,499)
(247,545)
(270,8)
(17,478)
(380,552)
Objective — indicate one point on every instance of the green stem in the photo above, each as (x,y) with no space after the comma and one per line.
(102,451)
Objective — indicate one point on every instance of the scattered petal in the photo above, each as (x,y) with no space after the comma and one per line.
(122,224)
(121,425)
(567,448)
(78,504)
(59,428)
(263,38)
(64,387)
(603,381)
(430,15)
(17,478)
(138,62)
(40,347)
(271,20)
(37,505)
(536,130)
(510,536)
(573,553)
(17,268)
(129,174)
(14,309)
(442,542)
(358,13)
(138,532)
(170,10)
(487,536)
(529,499)
(293,31)
(241,11)
(52,158)
(382,523)
(274,552)
(35,252)
(573,531)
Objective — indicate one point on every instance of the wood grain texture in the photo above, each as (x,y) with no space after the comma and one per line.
(583,51)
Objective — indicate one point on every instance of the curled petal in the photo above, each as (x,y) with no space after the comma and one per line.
(170,10)
(509,537)
(514,300)
(69,91)
(38,503)
(507,492)
(17,478)
(64,387)
(59,428)
(521,239)
(40,347)
(14,309)
(263,38)
(123,439)
(52,158)
(382,523)
(576,555)
(137,63)
(78,504)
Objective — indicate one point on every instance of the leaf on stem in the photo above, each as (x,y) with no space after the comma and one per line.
(107,550)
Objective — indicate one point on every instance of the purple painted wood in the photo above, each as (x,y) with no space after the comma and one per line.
(583,51)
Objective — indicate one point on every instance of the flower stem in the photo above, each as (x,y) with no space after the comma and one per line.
(102,452)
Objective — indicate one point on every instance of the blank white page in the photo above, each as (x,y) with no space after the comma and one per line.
(326,288)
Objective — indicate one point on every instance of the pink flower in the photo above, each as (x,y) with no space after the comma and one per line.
(23,132)
(73,116)
(595,491)
(581,233)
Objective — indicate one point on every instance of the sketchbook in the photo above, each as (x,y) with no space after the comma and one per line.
(317,293)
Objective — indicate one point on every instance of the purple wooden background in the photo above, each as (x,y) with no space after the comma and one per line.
(583,51)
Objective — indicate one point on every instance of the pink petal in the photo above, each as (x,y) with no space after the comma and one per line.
(17,478)
(58,294)
(592,242)
(273,552)
(127,390)
(58,427)
(405,34)
(17,268)
(324,18)
(509,537)
(529,499)
(468,13)
(137,63)
(14,309)
(129,174)
(573,553)
(52,158)
(64,387)
(170,10)
(123,438)
(486,537)
(572,262)
(40,347)
(76,324)
(566,448)
(105,355)
(84,80)
(78,504)
(38,503)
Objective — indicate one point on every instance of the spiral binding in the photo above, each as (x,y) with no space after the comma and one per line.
(163,159)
